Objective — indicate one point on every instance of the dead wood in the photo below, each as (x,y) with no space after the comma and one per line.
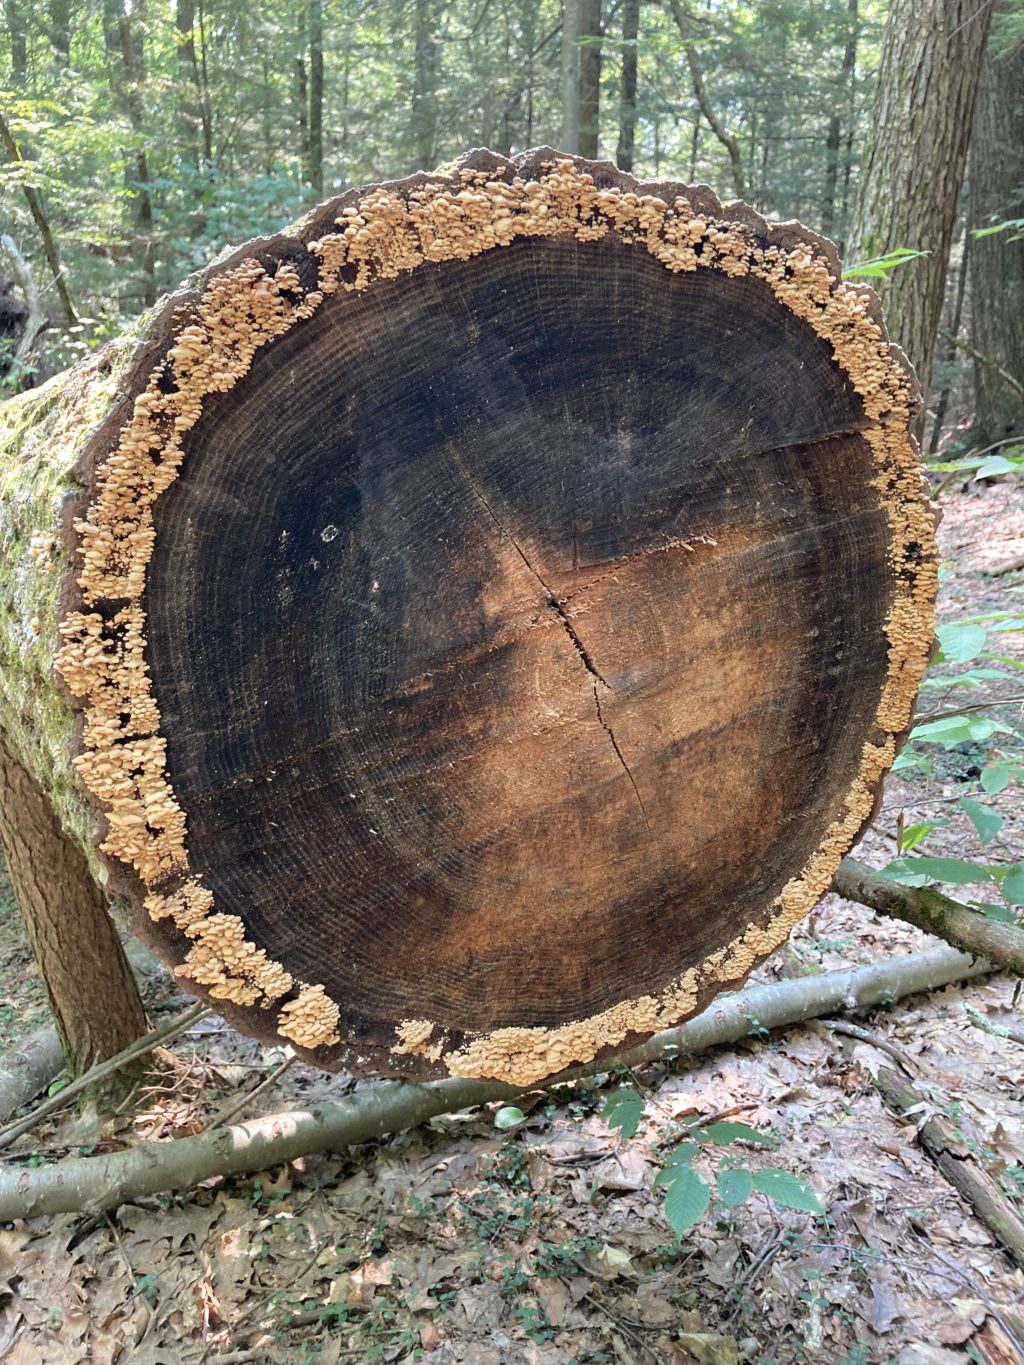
(928,909)
(960,1161)
(491,609)
(103,1182)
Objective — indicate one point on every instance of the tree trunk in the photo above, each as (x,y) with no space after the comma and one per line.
(627,84)
(42,223)
(128,85)
(997,260)
(495,707)
(833,141)
(60,33)
(913,166)
(590,77)
(572,28)
(423,112)
(17,29)
(93,997)
(316,96)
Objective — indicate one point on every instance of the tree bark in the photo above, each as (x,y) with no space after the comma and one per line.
(316,96)
(42,224)
(997,261)
(961,1162)
(572,28)
(423,110)
(93,997)
(102,1183)
(913,167)
(935,913)
(129,80)
(833,140)
(590,77)
(592,752)
(17,28)
(627,84)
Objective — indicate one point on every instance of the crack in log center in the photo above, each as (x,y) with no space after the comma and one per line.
(558,608)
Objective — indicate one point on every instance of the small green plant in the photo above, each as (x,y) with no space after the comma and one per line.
(687,1194)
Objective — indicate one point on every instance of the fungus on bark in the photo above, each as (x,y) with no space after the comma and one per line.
(492,609)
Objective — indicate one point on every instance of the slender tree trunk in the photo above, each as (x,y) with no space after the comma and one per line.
(833,141)
(302,111)
(590,77)
(60,33)
(627,84)
(423,112)
(913,166)
(949,354)
(997,261)
(572,21)
(93,996)
(17,28)
(42,224)
(728,141)
(130,81)
(316,96)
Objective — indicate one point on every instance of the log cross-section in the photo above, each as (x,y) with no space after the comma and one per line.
(491,608)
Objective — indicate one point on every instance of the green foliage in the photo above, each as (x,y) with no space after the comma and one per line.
(623,1109)
(880,267)
(509,1116)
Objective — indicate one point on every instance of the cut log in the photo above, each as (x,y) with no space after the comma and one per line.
(490,609)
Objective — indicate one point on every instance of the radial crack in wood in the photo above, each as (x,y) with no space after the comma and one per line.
(492,609)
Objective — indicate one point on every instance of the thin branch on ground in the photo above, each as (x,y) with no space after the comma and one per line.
(930,910)
(106,1180)
(102,1070)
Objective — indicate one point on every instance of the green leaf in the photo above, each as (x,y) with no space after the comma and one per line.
(509,1116)
(623,1109)
(724,1133)
(993,910)
(950,730)
(913,834)
(735,1185)
(788,1190)
(879,266)
(678,1159)
(687,1199)
(959,643)
(1013,885)
(996,464)
(996,777)
(986,821)
(951,871)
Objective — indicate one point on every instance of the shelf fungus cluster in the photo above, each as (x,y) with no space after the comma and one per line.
(500,388)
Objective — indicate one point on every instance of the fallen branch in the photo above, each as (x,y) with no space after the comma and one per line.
(930,910)
(963,1167)
(149,1042)
(103,1182)
(25,1073)
(37,319)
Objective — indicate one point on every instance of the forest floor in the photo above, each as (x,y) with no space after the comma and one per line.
(548,1244)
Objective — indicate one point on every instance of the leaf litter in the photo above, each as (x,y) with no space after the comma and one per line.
(546,1243)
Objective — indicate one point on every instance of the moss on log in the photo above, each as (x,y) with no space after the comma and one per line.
(490,608)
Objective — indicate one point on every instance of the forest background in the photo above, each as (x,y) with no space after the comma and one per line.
(140,139)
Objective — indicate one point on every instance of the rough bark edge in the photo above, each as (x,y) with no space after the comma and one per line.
(204,343)
(97,1183)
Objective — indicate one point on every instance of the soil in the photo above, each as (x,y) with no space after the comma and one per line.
(547,1244)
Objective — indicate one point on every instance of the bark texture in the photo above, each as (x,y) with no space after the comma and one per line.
(997,261)
(95,1184)
(512,684)
(93,997)
(913,166)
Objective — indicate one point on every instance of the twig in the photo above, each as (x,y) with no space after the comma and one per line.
(244,1102)
(103,1069)
(966,710)
(965,345)
(865,1035)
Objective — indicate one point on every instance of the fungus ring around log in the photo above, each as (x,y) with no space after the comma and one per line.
(497,604)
